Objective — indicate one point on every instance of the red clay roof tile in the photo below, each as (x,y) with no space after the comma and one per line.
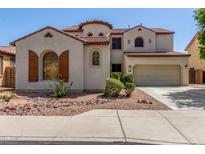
(96,40)
(48,27)
(161,31)
(95,22)
(10,50)
(119,30)
(157,54)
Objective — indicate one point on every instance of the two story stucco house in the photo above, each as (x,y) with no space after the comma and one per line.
(87,53)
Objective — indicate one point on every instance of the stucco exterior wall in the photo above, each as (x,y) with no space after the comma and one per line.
(195,60)
(6,63)
(95,29)
(145,34)
(181,61)
(95,76)
(116,55)
(40,44)
(164,42)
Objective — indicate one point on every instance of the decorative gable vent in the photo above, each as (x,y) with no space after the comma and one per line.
(139,29)
(48,35)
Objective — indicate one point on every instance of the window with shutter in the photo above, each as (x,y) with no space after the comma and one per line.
(33,66)
(64,66)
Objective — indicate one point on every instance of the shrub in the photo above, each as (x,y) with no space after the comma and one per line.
(127,78)
(116,75)
(113,87)
(6,98)
(130,87)
(60,88)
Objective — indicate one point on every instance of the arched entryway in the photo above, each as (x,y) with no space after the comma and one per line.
(50,66)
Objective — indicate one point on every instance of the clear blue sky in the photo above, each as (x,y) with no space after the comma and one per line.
(15,23)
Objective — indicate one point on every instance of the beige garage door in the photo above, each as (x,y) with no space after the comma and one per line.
(157,75)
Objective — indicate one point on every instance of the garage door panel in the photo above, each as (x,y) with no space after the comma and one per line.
(157,75)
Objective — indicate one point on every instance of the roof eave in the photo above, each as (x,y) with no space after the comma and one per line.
(194,37)
(165,32)
(47,27)
(96,43)
(7,53)
(139,26)
(130,54)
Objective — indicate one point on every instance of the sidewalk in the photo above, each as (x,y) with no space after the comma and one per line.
(106,127)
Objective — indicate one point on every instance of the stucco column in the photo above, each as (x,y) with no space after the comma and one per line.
(184,75)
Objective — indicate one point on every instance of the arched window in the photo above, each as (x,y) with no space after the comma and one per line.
(50,66)
(90,34)
(139,42)
(101,34)
(96,58)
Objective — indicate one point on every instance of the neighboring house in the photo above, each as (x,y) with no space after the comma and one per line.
(196,64)
(7,59)
(87,53)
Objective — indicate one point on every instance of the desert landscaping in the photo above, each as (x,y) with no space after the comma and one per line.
(74,103)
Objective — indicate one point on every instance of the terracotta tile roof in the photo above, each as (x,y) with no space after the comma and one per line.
(48,27)
(161,31)
(95,22)
(156,30)
(119,30)
(74,28)
(10,50)
(157,54)
(96,40)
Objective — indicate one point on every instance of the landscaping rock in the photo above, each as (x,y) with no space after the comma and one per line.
(75,103)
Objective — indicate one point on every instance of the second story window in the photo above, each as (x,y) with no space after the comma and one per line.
(139,42)
(90,34)
(116,43)
(101,34)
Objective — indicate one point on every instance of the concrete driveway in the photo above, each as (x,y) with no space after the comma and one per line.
(177,98)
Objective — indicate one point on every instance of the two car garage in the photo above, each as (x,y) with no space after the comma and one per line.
(158,68)
(157,75)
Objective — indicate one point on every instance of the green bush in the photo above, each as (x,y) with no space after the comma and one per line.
(60,88)
(6,98)
(127,78)
(130,87)
(113,87)
(116,75)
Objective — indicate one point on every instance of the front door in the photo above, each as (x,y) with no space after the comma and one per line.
(191,76)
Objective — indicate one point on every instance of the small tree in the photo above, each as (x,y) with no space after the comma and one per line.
(199,16)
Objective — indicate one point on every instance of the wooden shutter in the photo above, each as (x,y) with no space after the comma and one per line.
(64,66)
(33,66)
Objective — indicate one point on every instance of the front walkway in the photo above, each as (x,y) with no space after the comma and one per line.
(106,127)
(177,98)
